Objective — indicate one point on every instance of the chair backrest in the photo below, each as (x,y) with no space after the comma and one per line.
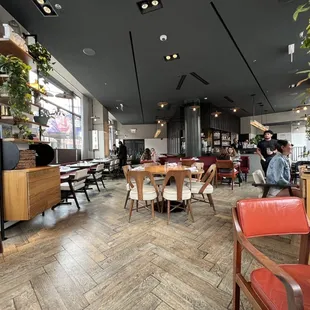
(179,176)
(125,170)
(272,216)
(198,165)
(139,176)
(99,167)
(209,175)
(80,174)
(224,164)
(258,177)
(245,161)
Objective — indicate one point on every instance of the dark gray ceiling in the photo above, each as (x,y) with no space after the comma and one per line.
(262,29)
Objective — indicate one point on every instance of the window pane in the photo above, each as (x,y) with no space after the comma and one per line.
(78,132)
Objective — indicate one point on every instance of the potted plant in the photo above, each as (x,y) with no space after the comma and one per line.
(44,116)
(42,57)
(16,84)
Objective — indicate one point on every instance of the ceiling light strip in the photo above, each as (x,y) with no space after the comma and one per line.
(258,125)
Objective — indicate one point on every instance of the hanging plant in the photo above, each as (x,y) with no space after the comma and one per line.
(16,84)
(42,57)
(305,44)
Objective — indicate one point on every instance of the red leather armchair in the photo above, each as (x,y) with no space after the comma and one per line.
(245,166)
(273,286)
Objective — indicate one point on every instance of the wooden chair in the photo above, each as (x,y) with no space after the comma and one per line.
(274,286)
(199,166)
(179,192)
(76,183)
(205,187)
(259,181)
(229,173)
(96,175)
(126,169)
(140,191)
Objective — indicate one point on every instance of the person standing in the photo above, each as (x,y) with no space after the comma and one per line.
(122,154)
(266,149)
(236,145)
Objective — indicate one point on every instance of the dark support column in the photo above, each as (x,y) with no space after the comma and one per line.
(192,132)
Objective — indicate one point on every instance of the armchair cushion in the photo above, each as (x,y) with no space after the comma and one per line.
(196,186)
(170,193)
(271,290)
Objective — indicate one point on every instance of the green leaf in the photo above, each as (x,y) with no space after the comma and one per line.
(302,72)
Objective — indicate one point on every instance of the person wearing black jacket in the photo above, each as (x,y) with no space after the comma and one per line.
(122,154)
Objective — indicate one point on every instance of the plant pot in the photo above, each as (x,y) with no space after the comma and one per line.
(41,120)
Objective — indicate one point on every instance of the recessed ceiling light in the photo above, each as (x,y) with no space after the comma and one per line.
(168,57)
(292,86)
(155,2)
(205,98)
(297,111)
(144,6)
(47,9)
(89,51)
(254,60)
(58,6)
(41,1)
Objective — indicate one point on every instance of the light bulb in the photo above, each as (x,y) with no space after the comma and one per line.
(168,57)
(216,115)
(298,123)
(297,111)
(194,109)
(234,110)
(47,10)
(41,1)
(144,6)
(162,105)
(158,122)
(305,108)
(162,124)
(154,2)
(175,56)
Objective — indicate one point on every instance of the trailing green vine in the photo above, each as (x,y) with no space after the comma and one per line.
(42,57)
(16,85)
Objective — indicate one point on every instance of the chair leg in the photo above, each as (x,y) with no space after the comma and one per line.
(96,184)
(102,182)
(130,209)
(190,210)
(75,199)
(137,206)
(203,196)
(236,270)
(245,177)
(86,194)
(43,213)
(127,197)
(145,203)
(232,183)
(153,210)
(211,201)
(158,205)
(168,211)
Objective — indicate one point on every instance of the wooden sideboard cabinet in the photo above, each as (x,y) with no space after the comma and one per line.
(29,192)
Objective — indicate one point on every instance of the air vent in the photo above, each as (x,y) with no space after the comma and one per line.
(199,78)
(181,82)
(229,99)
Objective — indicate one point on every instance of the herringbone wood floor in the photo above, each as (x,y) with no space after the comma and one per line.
(95,259)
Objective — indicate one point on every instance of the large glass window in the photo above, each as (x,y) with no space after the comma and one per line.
(64,129)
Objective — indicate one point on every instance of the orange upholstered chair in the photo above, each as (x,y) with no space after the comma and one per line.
(284,287)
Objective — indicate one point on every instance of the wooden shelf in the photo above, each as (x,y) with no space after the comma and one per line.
(5,102)
(11,121)
(8,47)
(24,141)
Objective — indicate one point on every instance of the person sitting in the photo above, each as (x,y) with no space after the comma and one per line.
(279,171)
(146,156)
(223,154)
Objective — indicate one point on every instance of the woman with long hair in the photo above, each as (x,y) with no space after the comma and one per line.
(146,155)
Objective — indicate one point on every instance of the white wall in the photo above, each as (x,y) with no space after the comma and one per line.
(160,145)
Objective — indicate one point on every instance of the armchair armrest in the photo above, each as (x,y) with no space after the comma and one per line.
(293,289)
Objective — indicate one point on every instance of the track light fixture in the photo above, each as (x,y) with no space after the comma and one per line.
(195,107)
(216,114)
(147,6)
(174,56)
(45,7)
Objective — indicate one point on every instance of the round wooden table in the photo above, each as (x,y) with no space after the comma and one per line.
(161,169)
